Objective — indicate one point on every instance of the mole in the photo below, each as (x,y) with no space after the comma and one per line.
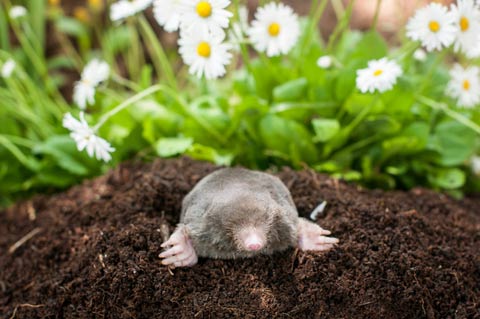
(239,213)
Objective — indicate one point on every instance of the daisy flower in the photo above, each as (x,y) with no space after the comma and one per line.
(380,75)
(324,62)
(205,53)
(167,14)
(236,34)
(7,68)
(420,55)
(275,29)
(124,8)
(433,25)
(205,15)
(95,71)
(467,18)
(17,12)
(464,85)
(85,138)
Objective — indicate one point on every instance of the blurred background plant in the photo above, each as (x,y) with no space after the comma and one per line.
(299,109)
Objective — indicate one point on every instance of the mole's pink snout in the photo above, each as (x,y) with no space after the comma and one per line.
(253,242)
(252,239)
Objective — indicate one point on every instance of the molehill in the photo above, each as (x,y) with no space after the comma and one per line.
(92,252)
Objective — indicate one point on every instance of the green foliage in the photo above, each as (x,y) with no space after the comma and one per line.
(274,111)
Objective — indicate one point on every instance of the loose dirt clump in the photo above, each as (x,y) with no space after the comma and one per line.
(92,252)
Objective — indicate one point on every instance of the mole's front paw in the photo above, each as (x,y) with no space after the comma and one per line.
(180,251)
(311,237)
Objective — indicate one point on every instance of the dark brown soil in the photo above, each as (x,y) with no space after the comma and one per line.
(94,252)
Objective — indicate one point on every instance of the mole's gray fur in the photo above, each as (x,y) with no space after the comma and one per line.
(231,198)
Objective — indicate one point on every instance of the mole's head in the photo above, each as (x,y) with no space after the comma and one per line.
(252,225)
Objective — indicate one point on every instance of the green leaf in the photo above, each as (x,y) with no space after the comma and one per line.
(454,142)
(287,137)
(71,27)
(357,102)
(447,178)
(371,46)
(291,91)
(325,129)
(413,139)
(4,31)
(349,176)
(378,125)
(205,153)
(170,146)
(61,61)
(146,76)
(345,83)
(62,148)
(117,39)
(53,177)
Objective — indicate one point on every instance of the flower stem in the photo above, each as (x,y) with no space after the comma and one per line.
(406,51)
(455,115)
(125,82)
(427,79)
(341,26)
(313,20)
(242,44)
(377,13)
(157,52)
(171,92)
(127,103)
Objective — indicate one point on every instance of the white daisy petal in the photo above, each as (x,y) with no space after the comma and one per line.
(236,34)
(168,14)
(123,9)
(324,62)
(7,68)
(205,15)
(95,71)
(83,94)
(17,12)
(432,25)
(467,19)
(275,29)
(464,86)
(85,138)
(380,75)
(420,55)
(205,53)
(72,124)
(103,149)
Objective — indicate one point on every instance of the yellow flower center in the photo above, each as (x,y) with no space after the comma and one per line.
(96,5)
(81,14)
(377,72)
(464,24)
(203,49)
(54,2)
(204,9)
(434,26)
(274,29)
(466,85)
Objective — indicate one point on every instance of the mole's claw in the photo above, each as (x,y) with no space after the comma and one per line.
(188,261)
(326,240)
(187,258)
(172,251)
(182,252)
(311,237)
(325,232)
